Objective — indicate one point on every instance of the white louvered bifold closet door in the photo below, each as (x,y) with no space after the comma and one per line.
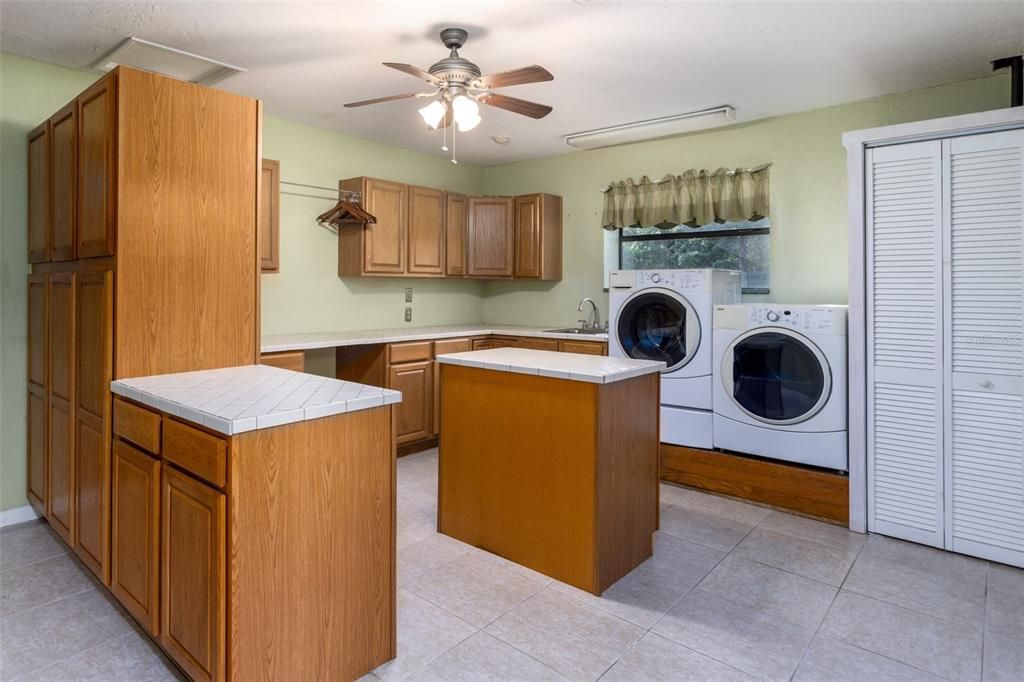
(904,284)
(984,331)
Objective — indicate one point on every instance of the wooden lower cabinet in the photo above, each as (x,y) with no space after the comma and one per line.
(193,584)
(414,418)
(583,347)
(135,534)
(61,413)
(294,360)
(538,344)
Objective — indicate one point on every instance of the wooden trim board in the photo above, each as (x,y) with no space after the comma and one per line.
(790,487)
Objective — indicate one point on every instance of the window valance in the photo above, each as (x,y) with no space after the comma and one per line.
(694,198)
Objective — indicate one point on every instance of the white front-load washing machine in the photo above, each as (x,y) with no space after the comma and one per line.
(780,388)
(666,315)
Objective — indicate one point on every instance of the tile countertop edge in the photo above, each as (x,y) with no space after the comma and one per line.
(278,343)
(571,366)
(261,397)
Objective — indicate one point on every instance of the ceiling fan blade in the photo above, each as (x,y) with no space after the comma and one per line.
(527,74)
(515,105)
(378,100)
(413,71)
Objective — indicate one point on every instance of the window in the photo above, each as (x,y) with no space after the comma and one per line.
(731,246)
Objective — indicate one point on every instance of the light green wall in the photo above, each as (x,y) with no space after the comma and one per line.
(809,218)
(307,295)
(29,92)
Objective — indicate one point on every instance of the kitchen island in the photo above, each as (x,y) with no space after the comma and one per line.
(253,521)
(551,460)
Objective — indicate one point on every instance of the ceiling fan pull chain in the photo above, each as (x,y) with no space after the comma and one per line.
(453,143)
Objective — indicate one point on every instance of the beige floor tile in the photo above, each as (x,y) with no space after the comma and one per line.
(831,660)
(577,640)
(425,632)
(422,556)
(917,590)
(483,658)
(27,543)
(656,659)
(653,587)
(129,658)
(1006,579)
(771,592)
(510,565)
(927,559)
(41,583)
(743,637)
(704,528)
(810,559)
(949,648)
(476,590)
(1004,659)
(815,531)
(726,507)
(48,634)
(1004,617)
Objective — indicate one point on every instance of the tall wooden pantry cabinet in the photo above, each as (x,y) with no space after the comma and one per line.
(142,239)
(937,259)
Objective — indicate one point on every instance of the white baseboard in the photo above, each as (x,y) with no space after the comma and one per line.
(9,517)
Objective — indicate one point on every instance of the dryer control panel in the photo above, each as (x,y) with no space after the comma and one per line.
(677,280)
(812,319)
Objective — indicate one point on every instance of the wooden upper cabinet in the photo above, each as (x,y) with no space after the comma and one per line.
(375,248)
(193,567)
(538,225)
(38,360)
(97,134)
(490,237)
(270,216)
(456,215)
(63,182)
(94,303)
(39,194)
(426,236)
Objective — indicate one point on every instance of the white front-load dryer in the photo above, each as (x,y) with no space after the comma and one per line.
(780,388)
(666,315)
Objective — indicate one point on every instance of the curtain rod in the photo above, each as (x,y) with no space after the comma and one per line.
(341,193)
(728,172)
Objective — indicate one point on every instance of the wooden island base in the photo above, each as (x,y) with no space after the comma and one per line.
(557,475)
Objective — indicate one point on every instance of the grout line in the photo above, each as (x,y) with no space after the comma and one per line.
(51,602)
(73,656)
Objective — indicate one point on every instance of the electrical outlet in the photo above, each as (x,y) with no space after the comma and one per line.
(408,314)
(408,294)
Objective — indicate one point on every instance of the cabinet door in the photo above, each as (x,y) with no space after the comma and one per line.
(61,417)
(135,541)
(270,216)
(414,419)
(192,575)
(94,357)
(38,360)
(39,194)
(984,191)
(528,236)
(96,168)
(490,247)
(63,182)
(384,241)
(904,345)
(426,231)
(456,217)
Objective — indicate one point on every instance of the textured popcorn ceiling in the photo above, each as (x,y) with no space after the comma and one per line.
(614,62)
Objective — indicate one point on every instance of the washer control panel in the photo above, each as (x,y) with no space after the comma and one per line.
(813,319)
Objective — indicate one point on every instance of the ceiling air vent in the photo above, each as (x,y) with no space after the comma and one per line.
(653,128)
(142,54)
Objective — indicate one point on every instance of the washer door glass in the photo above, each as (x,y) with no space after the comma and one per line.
(777,377)
(655,325)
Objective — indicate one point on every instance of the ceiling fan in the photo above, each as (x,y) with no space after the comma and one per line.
(459,86)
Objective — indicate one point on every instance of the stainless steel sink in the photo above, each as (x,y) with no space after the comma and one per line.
(577,330)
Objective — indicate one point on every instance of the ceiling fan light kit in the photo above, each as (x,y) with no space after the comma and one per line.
(460,88)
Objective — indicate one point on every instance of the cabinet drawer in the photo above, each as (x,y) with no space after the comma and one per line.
(294,360)
(584,347)
(451,346)
(196,451)
(538,344)
(413,351)
(137,425)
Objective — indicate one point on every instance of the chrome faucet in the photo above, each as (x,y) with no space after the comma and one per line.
(597,315)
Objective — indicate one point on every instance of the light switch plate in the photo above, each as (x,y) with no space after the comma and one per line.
(408,314)
(408,294)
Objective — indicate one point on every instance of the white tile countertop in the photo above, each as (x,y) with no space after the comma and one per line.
(238,399)
(596,369)
(282,342)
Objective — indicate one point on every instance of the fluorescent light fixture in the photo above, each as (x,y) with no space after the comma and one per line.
(653,128)
(148,56)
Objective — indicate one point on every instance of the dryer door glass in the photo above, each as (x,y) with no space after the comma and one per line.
(777,377)
(653,326)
